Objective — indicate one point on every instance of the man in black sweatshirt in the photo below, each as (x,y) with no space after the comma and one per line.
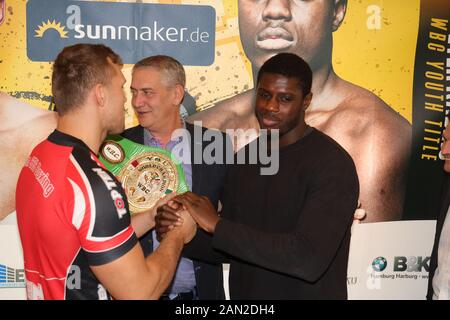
(287,234)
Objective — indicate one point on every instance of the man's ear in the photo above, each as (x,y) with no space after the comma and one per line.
(99,92)
(307,101)
(340,7)
(178,94)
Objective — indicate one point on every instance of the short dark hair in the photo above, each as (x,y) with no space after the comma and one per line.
(172,69)
(77,69)
(289,65)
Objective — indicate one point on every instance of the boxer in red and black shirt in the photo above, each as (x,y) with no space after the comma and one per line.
(78,217)
(73,218)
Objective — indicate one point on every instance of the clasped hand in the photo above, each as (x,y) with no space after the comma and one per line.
(199,207)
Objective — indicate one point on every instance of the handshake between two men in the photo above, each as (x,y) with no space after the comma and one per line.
(199,209)
(185,207)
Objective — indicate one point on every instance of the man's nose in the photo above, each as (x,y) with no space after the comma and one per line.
(445,148)
(136,99)
(272,105)
(277,10)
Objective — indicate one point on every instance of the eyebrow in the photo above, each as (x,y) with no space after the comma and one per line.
(141,89)
(278,92)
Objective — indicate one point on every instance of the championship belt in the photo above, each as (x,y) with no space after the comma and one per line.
(147,173)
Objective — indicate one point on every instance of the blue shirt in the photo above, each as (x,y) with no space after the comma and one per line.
(184,280)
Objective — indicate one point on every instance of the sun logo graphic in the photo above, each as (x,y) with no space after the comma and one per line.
(51,25)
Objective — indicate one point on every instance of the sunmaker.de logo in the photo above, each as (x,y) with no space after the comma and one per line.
(133,30)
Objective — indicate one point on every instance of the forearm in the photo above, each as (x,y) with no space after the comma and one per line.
(306,248)
(200,248)
(145,278)
(142,223)
(284,253)
(161,264)
(298,254)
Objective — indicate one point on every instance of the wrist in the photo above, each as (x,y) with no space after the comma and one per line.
(213,226)
(175,236)
(151,219)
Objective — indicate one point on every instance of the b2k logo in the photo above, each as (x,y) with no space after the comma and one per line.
(411,264)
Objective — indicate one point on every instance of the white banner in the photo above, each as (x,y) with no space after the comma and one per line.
(390,260)
(12,275)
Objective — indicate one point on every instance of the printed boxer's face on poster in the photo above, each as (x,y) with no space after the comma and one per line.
(305,28)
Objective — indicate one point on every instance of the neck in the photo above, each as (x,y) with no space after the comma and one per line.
(164,133)
(73,124)
(294,135)
(324,88)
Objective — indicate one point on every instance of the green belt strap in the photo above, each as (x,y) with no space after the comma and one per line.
(146,173)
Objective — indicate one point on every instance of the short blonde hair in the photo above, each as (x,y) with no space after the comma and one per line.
(77,69)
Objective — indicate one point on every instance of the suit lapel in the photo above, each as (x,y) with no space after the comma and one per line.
(140,134)
(135,134)
(197,172)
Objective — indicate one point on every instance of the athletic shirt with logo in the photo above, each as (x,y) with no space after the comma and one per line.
(72,213)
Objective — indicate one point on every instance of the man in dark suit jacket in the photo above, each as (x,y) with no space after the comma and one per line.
(438,281)
(157,91)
